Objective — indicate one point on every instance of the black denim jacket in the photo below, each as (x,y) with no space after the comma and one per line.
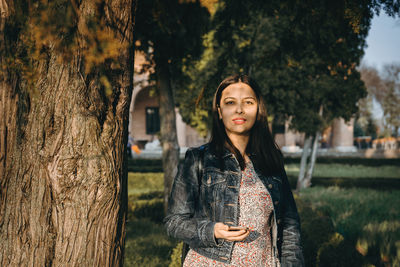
(196,204)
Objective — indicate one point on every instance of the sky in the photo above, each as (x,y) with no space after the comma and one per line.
(383,48)
(383,41)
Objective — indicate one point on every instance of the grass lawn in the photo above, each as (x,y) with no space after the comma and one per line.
(347,171)
(141,183)
(147,244)
(369,218)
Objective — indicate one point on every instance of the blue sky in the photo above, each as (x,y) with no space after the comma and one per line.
(383,48)
(383,41)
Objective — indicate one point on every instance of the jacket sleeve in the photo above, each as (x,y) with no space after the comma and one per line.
(180,221)
(292,254)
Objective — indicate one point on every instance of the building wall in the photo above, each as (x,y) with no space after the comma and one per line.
(138,115)
(187,136)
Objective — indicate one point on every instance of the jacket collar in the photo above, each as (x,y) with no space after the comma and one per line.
(228,153)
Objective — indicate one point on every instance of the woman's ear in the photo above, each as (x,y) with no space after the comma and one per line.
(219,112)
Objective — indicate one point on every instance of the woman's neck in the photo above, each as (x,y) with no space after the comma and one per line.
(240,142)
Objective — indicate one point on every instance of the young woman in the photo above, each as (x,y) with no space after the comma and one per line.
(231,201)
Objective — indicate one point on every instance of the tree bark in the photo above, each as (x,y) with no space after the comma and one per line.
(310,169)
(304,181)
(63,191)
(169,138)
(303,163)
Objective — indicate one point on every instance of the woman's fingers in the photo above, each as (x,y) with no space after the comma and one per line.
(222,231)
(219,230)
(239,236)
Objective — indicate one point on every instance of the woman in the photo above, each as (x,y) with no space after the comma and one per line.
(231,201)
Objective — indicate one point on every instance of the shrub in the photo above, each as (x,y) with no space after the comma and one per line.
(176,256)
(367,219)
(322,246)
(338,252)
(146,205)
(384,238)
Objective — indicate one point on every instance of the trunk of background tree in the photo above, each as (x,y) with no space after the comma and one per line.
(169,138)
(63,187)
(303,163)
(310,169)
(304,179)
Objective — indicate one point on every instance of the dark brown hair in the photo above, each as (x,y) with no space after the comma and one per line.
(261,143)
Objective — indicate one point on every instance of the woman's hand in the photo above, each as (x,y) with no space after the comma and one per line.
(222,231)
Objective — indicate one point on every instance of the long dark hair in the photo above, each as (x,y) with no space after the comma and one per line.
(261,143)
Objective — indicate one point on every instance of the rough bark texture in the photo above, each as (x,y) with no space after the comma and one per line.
(62,161)
(169,139)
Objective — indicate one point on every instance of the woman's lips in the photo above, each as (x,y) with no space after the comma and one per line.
(239,120)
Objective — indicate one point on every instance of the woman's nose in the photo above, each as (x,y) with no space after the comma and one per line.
(239,109)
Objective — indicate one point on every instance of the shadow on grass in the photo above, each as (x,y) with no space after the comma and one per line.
(350,227)
(147,244)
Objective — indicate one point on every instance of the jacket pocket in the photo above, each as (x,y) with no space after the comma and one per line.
(213,185)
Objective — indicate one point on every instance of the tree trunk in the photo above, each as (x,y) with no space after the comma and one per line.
(308,176)
(63,190)
(303,163)
(169,139)
(304,181)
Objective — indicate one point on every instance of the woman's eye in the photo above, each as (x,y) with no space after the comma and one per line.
(229,103)
(249,102)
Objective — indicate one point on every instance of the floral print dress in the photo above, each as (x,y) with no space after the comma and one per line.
(256,212)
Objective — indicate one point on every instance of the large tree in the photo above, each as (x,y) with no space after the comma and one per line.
(168,33)
(66,79)
(303,53)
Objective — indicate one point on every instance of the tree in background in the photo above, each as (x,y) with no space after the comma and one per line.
(303,54)
(65,87)
(384,88)
(241,39)
(329,40)
(391,100)
(169,33)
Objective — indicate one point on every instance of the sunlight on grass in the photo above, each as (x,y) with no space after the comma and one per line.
(370,218)
(349,171)
(367,219)
(139,183)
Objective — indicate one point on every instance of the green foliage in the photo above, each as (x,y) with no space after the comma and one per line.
(391,100)
(145,196)
(367,220)
(169,32)
(385,88)
(381,238)
(147,244)
(322,246)
(372,162)
(303,54)
(176,255)
(67,31)
(144,183)
(358,131)
(341,227)
(146,208)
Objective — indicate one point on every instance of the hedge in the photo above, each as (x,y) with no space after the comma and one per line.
(147,205)
(155,165)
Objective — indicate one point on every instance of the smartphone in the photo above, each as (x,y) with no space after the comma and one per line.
(238,228)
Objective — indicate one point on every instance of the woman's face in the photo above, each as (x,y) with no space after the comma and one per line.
(238,109)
